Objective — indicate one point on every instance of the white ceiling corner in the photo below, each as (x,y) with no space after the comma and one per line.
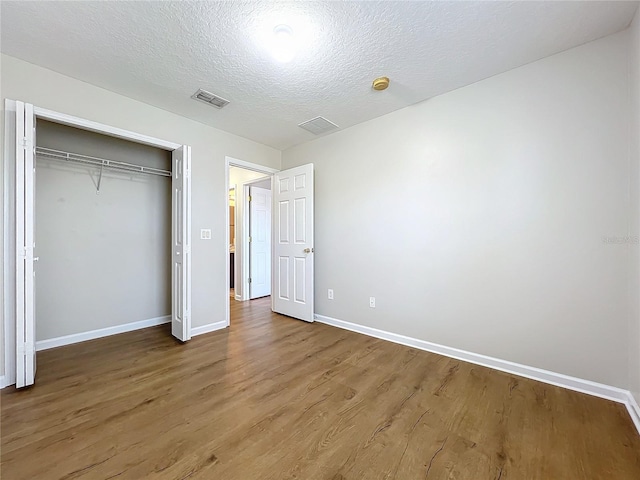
(162,52)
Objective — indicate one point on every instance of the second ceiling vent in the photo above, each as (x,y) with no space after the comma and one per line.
(210,98)
(318,125)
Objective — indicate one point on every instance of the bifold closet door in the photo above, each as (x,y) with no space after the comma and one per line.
(181,244)
(25,244)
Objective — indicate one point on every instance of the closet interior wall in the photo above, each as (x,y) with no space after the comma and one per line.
(104,258)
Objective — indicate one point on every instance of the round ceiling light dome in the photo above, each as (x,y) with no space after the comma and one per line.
(283,47)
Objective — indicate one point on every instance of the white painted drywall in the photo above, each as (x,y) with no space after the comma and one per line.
(634,225)
(238,177)
(105,259)
(47,89)
(476,218)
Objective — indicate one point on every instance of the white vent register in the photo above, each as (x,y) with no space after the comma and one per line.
(318,125)
(210,98)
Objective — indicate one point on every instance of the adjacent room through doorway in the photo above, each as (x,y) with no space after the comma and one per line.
(249,203)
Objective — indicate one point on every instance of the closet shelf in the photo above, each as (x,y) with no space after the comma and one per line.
(99,162)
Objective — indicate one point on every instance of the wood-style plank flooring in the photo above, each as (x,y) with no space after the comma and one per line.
(275,398)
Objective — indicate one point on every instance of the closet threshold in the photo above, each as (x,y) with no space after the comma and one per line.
(100,162)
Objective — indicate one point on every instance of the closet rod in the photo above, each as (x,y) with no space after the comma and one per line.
(99,162)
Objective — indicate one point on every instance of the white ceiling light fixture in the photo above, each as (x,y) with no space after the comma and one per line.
(283,45)
(285,32)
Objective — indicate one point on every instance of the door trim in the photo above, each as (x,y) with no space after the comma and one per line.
(8,225)
(235,162)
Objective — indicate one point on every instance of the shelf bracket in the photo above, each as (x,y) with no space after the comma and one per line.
(99,179)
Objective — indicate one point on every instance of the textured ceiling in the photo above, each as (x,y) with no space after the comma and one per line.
(162,52)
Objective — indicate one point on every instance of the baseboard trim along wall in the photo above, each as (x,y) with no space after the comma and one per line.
(3,380)
(634,410)
(210,327)
(558,379)
(127,327)
(101,332)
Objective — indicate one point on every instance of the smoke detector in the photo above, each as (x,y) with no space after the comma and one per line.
(318,125)
(210,98)
(380,83)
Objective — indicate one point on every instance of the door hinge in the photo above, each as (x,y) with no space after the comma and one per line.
(249,239)
(24,142)
(249,280)
(25,348)
(249,197)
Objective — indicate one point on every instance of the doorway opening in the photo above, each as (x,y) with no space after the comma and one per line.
(249,230)
(249,234)
(291,223)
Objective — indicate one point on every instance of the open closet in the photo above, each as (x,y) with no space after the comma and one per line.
(102,240)
(102,232)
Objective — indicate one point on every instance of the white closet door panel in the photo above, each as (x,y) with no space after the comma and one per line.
(181,244)
(25,244)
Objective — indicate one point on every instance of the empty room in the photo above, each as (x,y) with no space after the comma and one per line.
(320,240)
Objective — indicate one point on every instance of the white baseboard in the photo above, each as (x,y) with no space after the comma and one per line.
(210,327)
(634,410)
(102,332)
(3,379)
(558,379)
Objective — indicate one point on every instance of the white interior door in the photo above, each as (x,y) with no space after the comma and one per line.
(293,243)
(259,242)
(25,244)
(181,243)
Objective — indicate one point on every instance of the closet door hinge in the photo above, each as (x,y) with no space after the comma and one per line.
(24,143)
(249,197)
(249,239)
(249,280)
(25,349)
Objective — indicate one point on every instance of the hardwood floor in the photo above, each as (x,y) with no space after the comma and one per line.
(276,398)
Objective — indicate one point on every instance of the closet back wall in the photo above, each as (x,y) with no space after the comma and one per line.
(105,259)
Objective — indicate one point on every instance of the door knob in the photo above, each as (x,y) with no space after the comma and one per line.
(308,250)
(35,259)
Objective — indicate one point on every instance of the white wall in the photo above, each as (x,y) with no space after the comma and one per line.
(48,89)
(105,259)
(477,218)
(634,227)
(239,177)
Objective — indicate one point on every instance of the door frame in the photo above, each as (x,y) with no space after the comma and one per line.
(268,171)
(8,222)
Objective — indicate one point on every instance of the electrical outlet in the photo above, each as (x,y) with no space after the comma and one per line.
(205,234)
(372,302)
(330,294)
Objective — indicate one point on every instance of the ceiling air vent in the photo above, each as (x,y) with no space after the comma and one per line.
(210,98)
(318,125)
